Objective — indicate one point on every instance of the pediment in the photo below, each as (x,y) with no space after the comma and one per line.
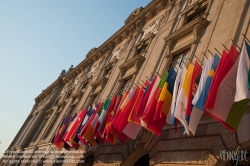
(133,14)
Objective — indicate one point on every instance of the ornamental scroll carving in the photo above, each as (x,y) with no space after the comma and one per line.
(142,138)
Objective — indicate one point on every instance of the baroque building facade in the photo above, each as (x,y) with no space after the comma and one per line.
(164,34)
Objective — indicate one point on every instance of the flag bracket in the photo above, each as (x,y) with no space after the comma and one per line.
(246,37)
(198,59)
(217,51)
(211,53)
(158,73)
(204,54)
(225,47)
(235,44)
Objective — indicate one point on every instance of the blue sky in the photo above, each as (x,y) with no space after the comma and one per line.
(38,39)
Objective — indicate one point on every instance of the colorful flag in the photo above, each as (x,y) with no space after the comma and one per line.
(225,83)
(170,118)
(164,103)
(72,132)
(88,135)
(134,123)
(197,113)
(243,73)
(115,122)
(110,137)
(242,94)
(100,126)
(146,97)
(193,88)
(204,94)
(125,114)
(182,99)
(85,124)
(147,119)
(166,95)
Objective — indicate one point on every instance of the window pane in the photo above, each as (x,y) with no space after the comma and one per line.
(179,60)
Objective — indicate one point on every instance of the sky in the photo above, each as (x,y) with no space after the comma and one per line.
(40,38)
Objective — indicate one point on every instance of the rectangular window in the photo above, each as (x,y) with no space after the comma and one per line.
(197,14)
(179,60)
(125,85)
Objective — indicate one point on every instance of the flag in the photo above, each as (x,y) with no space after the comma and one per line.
(243,73)
(134,123)
(75,138)
(242,94)
(125,114)
(209,65)
(88,135)
(116,120)
(182,99)
(225,84)
(205,91)
(65,131)
(85,124)
(147,119)
(146,97)
(60,129)
(72,132)
(164,103)
(110,137)
(178,80)
(102,133)
(166,95)
(193,88)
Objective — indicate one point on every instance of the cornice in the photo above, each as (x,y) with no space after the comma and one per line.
(49,89)
(99,81)
(79,92)
(132,61)
(202,22)
(194,6)
(123,32)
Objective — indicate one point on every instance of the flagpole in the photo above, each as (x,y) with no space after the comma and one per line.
(204,54)
(246,37)
(225,47)
(235,44)
(211,53)
(217,51)
(158,73)
(197,59)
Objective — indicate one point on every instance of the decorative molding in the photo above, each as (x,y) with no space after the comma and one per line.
(133,14)
(169,46)
(199,23)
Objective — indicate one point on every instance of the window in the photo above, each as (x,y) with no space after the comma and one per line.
(83,85)
(141,49)
(125,85)
(94,99)
(195,15)
(179,60)
(68,94)
(108,71)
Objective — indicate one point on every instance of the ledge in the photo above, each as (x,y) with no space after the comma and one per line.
(136,59)
(186,29)
(99,81)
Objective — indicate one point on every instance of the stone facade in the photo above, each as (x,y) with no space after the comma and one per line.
(148,43)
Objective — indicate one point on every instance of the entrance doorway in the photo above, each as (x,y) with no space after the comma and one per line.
(144,160)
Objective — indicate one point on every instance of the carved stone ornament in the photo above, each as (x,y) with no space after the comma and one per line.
(91,51)
(169,46)
(142,138)
(133,14)
(197,33)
